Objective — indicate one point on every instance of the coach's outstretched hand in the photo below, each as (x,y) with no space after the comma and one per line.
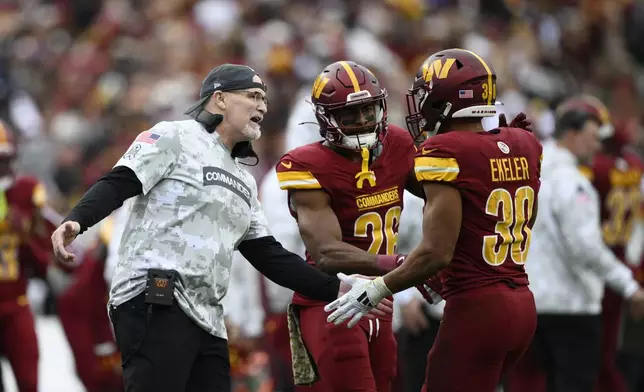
(62,237)
(365,297)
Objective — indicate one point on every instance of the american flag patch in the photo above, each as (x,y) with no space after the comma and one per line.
(148,137)
(465,94)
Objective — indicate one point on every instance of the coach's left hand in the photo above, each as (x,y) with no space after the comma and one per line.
(62,238)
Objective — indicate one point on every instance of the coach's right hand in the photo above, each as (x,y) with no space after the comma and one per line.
(62,237)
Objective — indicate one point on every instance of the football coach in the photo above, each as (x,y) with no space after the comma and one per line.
(191,205)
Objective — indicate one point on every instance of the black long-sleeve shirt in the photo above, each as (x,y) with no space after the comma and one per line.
(266,254)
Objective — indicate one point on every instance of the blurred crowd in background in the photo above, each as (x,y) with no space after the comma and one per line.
(79,79)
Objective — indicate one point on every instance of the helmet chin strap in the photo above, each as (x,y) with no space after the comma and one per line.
(437,126)
(364,143)
(360,141)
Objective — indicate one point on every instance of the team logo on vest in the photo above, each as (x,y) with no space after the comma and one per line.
(216,176)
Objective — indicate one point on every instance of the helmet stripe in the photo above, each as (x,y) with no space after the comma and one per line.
(489,75)
(352,76)
(318,86)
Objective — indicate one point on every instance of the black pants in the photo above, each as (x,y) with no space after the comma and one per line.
(568,347)
(630,358)
(163,350)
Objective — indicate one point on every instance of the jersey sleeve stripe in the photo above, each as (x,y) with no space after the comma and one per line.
(436,169)
(297,180)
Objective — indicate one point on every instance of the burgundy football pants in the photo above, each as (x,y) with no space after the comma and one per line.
(483,333)
(19,343)
(358,359)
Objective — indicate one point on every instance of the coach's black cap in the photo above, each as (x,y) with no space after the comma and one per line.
(227,77)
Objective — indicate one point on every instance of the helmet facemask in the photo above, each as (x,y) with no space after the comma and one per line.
(429,110)
(424,119)
(354,126)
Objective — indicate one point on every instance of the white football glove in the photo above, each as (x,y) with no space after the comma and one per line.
(364,295)
(431,296)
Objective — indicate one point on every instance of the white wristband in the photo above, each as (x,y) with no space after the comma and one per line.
(379,290)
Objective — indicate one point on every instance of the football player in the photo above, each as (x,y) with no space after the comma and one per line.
(346,194)
(24,249)
(616,173)
(481,200)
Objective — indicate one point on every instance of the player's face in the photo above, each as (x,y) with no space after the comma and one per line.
(357,119)
(588,143)
(245,109)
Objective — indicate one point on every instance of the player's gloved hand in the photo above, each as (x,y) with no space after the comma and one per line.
(432,289)
(364,296)
(520,121)
(430,294)
(383,309)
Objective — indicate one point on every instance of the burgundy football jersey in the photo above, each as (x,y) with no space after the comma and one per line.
(617,180)
(497,175)
(367,205)
(22,249)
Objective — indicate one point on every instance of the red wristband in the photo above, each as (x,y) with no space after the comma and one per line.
(388,263)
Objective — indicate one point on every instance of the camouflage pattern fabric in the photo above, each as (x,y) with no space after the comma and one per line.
(304,368)
(197,205)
